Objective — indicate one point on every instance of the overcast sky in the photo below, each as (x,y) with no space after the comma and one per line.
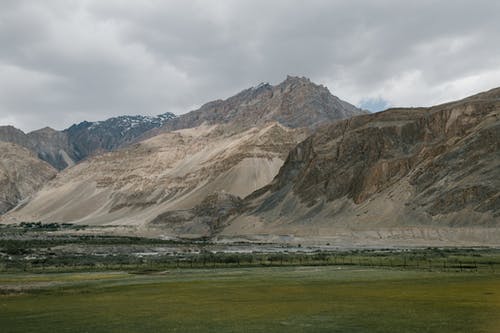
(64,61)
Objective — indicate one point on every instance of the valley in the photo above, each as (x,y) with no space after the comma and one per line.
(69,277)
(267,210)
(249,166)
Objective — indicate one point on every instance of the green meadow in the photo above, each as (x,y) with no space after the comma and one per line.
(255,299)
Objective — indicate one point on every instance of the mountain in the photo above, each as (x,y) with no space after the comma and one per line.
(196,168)
(14,135)
(248,167)
(65,148)
(21,174)
(392,177)
(164,179)
(50,145)
(53,147)
(295,103)
(88,138)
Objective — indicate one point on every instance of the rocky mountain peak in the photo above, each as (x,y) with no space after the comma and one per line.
(295,80)
(296,102)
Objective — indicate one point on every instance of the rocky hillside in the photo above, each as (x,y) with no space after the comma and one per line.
(229,148)
(14,135)
(164,178)
(50,145)
(88,138)
(21,174)
(53,147)
(64,148)
(428,167)
(296,102)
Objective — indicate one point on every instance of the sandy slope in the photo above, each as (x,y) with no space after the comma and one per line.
(171,171)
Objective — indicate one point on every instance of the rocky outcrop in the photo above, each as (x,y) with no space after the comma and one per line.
(436,166)
(21,174)
(207,218)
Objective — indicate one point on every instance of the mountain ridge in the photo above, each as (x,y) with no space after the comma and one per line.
(295,102)
(422,168)
(64,148)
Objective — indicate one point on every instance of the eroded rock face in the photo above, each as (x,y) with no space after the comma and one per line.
(21,174)
(438,165)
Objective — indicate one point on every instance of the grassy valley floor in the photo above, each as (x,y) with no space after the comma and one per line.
(257,299)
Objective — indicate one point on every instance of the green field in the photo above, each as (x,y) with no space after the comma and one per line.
(265,299)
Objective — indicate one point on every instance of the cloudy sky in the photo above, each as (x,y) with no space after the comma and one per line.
(64,61)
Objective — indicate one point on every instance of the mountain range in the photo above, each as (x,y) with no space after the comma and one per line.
(65,148)
(289,160)
(397,175)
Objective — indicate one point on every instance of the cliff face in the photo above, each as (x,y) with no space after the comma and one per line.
(21,174)
(437,166)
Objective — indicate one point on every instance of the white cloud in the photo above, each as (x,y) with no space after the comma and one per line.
(65,61)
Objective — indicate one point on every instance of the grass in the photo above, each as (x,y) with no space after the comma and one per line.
(267,299)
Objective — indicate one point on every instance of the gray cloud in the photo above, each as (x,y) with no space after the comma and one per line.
(66,61)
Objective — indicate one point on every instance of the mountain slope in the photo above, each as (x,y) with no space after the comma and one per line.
(21,174)
(219,155)
(427,167)
(170,172)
